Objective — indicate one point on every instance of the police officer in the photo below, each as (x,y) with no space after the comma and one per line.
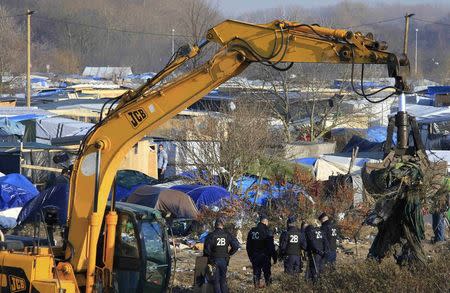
(315,249)
(217,250)
(291,241)
(329,231)
(260,249)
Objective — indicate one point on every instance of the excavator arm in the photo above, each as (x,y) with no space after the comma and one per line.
(146,108)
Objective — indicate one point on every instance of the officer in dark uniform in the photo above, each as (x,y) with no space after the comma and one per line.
(260,249)
(315,249)
(329,231)
(291,242)
(217,250)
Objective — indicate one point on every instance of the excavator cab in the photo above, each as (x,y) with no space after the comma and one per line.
(142,259)
(142,255)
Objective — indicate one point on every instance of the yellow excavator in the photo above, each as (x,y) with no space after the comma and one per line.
(87,263)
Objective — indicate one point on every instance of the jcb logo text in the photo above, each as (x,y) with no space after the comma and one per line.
(17,284)
(136,117)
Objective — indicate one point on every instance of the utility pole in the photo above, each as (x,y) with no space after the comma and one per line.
(173,41)
(405,39)
(415,57)
(29,13)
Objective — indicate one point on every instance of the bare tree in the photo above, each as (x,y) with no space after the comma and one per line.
(198,16)
(11,46)
(228,143)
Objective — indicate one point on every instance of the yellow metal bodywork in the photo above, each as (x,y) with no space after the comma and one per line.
(131,121)
(23,271)
(148,107)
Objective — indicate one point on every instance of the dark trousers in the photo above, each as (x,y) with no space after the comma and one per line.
(160,175)
(261,262)
(438,223)
(220,275)
(329,258)
(293,264)
(314,267)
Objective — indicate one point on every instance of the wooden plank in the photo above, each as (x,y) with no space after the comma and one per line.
(36,167)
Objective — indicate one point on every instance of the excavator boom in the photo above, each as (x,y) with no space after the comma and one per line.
(140,111)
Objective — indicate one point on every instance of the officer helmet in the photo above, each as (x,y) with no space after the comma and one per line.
(291,221)
(220,222)
(263,217)
(323,216)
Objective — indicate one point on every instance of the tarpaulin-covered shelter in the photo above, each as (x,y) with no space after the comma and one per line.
(46,129)
(260,190)
(204,195)
(178,203)
(57,195)
(10,130)
(15,191)
(128,181)
(363,145)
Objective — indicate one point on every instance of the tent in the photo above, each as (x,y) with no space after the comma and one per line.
(363,144)
(178,203)
(15,191)
(259,190)
(128,181)
(57,195)
(204,195)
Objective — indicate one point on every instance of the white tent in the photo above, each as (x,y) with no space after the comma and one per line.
(332,165)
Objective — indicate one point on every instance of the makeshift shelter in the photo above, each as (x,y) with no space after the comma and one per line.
(260,190)
(204,195)
(178,203)
(327,166)
(8,218)
(10,130)
(46,129)
(364,145)
(57,195)
(15,191)
(128,181)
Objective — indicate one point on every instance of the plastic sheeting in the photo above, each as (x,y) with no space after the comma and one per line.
(8,218)
(128,181)
(364,145)
(57,195)
(15,191)
(60,127)
(204,195)
(179,204)
(260,190)
(11,126)
(327,166)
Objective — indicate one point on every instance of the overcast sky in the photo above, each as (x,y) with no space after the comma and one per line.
(235,7)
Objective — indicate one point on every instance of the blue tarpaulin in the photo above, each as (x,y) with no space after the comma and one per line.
(57,195)
(379,134)
(15,191)
(204,195)
(127,181)
(9,125)
(306,161)
(260,190)
(434,90)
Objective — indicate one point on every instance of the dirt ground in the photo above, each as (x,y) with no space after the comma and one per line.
(240,270)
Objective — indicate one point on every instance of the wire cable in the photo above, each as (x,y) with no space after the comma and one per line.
(432,22)
(363,94)
(107,28)
(16,15)
(372,23)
